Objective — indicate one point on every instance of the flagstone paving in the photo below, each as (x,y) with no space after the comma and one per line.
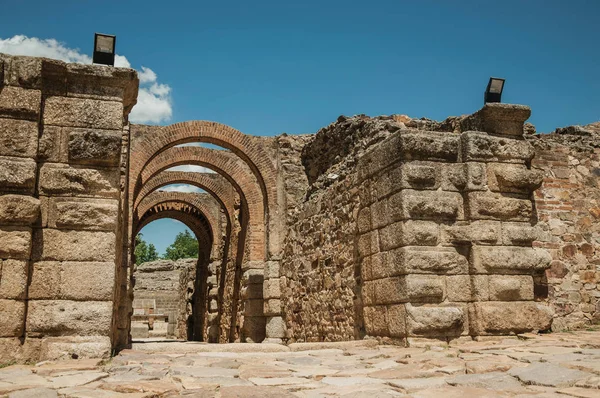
(527,366)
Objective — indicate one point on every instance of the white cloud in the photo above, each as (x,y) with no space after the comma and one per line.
(182,188)
(147,75)
(154,102)
(191,168)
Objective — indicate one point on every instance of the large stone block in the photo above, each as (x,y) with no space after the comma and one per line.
(390,290)
(20,103)
(272,269)
(56,179)
(498,118)
(78,112)
(380,215)
(463,177)
(481,147)
(75,213)
(428,145)
(462,288)
(396,320)
(449,320)
(254,328)
(494,206)
(275,327)
(13,279)
(90,81)
(368,292)
(63,318)
(378,266)
(363,220)
(12,318)
(519,233)
(368,244)
(45,280)
(487,232)
(435,205)
(508,317)
(271,288)
(23,71)
(17,175)
(60,245)
(72,281)
(18,138)
(409,233)
(413,288)
(19,209)
(98,147)
(427,260)
(52,145)
(510,287)
(16,242)
(504,177)
(68,347)
(376,322)
(508,259)
(272,307)
(425,288)
(15,349)
(420,175)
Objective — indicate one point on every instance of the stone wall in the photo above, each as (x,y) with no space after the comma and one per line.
(389,227)
(430,235)
(159,282)
(61,129)
(568,206)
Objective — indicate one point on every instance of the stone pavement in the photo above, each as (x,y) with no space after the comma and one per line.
(552,365)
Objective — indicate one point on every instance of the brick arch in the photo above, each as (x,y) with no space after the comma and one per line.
(235,171)
(213,183)
(188,203)
(203,236)
(244,146)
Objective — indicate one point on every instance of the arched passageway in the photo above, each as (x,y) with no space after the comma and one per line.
(188,301)
(242,235)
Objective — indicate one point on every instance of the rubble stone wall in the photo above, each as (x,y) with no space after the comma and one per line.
(61,129)
(568,206)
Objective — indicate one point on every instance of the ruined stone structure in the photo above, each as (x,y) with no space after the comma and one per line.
(390,227)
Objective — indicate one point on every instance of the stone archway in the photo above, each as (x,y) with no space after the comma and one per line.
(203,217)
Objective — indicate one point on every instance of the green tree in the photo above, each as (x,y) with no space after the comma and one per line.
(144,252)
(185,246)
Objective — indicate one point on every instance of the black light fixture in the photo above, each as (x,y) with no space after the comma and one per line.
(104,49)
(493,93)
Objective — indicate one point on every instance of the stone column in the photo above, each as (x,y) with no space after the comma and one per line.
(275,328)
(65,152)
(252,299)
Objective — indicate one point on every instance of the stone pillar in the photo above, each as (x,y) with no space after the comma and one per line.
(275,328)
(60,148)
(445,231)
(502,269)
(252,295)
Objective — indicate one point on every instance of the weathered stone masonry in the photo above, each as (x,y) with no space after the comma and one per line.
(390,227)
(61,128)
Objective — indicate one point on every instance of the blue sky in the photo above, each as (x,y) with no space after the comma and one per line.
(268,67)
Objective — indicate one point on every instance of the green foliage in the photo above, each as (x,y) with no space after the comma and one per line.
(144,252)
(185,246)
